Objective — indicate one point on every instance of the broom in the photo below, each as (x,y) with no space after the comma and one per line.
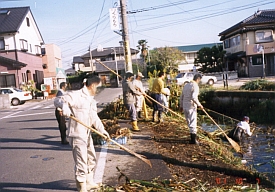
(142,157)
(231,141)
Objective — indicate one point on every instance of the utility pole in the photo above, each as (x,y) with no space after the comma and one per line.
(125,37)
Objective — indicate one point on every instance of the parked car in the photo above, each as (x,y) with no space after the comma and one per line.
(17,96)
(183,78)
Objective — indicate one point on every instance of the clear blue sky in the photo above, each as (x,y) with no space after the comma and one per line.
(75,24)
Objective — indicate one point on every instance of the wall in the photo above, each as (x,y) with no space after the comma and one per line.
(258,105)
(4,101)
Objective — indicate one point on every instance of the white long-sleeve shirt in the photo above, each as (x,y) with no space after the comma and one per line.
(189,96)
(245,126)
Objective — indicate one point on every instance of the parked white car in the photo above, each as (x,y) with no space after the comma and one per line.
(17,96)
(183,78)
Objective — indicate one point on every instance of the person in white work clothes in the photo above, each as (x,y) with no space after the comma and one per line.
(139,98)
(189,103)
(82,105)
(240,130)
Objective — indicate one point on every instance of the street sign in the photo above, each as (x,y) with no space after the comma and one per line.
(114,19)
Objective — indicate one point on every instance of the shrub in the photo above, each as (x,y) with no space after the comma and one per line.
(259,85)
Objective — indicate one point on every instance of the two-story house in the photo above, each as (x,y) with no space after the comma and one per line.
(20,47)
(250,44)
(112,57)
(190,53)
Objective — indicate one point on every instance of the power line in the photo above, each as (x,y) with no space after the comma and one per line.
(98,21)
(175,22)
(159,6)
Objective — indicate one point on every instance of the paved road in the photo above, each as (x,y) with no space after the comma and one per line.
(31,156)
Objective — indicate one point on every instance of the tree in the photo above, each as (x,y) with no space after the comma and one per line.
(142,46)
(210,59)
(166,59)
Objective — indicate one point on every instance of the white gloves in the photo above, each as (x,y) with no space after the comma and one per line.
(66,110)
(106,133)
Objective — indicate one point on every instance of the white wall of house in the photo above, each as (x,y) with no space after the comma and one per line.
(28,31)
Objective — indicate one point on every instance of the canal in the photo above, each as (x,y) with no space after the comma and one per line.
(259,149)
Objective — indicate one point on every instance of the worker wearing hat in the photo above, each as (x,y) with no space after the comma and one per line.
(129,98)
(139,98)
(240,130)
(189,103)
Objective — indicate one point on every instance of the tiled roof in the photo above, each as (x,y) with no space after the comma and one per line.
(195,48)
(11,18)
(260,17)
(78,59)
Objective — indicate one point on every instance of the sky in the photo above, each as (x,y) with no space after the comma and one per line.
(76,25)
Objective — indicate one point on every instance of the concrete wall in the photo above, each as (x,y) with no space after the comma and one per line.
(5,101)
(258,105)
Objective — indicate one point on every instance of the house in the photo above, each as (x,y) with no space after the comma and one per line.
(52,66)
(112,57)
(190,53)
(249,45)
(20,47)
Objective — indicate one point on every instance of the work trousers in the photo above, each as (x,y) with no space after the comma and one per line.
(132,110)
(61,124)
(84,157)
(139,102)
(191,118)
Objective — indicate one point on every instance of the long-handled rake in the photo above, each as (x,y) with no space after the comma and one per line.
(142,157)
(235,145)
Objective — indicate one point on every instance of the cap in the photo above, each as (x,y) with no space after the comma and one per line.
(245,118)
(140,74)
(129,74)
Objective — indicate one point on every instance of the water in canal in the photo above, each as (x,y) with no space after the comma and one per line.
(259,150)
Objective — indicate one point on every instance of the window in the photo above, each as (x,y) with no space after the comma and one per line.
(257,60)
(226,43)
(38,50)
(30,48)
(23,45)
(2,44)
(28,21)
(234,41)
(264,36)
(7,80)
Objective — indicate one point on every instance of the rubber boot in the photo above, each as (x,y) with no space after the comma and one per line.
(160,117)
(193,139)
(154,112)
(90,182)
(81,186)
(135,126)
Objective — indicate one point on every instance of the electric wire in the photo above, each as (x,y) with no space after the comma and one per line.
(98,21)
(175,22)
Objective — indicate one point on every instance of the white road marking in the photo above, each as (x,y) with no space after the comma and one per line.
(12,115)
(50,106)
(99,171)
(37,106)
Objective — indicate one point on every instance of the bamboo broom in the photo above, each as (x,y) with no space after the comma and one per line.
(141,157)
